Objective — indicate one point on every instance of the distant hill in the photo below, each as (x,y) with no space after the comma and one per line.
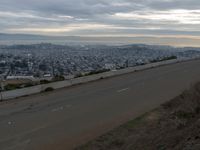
(20,37)
(10,39)
(31,39)
(4,36)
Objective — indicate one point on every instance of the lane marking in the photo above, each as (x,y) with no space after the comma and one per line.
(57,109)
(68,106)
(61,108)
(11,123)
(123,90)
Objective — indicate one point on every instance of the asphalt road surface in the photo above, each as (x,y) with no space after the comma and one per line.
(66,118)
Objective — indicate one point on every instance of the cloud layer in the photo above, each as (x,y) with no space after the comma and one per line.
(102,17)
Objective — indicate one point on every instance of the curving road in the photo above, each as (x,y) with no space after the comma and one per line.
(66,118)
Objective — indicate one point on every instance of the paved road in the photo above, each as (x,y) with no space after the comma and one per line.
(68,117)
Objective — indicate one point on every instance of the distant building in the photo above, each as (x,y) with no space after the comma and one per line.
(20,78)
(110,66)
(68,77)
(47,75)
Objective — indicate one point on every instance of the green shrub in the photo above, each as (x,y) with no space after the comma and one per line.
(163,59)
(12,87)
(48,89)
(44,82)
(59,78)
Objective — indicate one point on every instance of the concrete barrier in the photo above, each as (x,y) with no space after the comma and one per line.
(21,92)
(56,85)
(6,95)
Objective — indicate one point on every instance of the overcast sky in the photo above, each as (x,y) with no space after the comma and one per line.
(160,18)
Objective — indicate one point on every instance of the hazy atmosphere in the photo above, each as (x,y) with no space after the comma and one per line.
(117,18)
(100,75)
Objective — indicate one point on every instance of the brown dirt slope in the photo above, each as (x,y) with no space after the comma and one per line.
(173,126)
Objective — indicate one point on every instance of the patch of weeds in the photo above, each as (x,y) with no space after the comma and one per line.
(117,143)
(197,110)
(135,122)
(184,115)
(45,82)
(49,89)
(161,147)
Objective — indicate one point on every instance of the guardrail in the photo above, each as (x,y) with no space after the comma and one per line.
(6,95)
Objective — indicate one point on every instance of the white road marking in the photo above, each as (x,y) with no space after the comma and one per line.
(61,108)
(57,109)
(123,90)
(68,106)
(11,123)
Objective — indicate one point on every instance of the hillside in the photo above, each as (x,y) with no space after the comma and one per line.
(173,126)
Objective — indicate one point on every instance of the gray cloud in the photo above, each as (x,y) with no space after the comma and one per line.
(90,17)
